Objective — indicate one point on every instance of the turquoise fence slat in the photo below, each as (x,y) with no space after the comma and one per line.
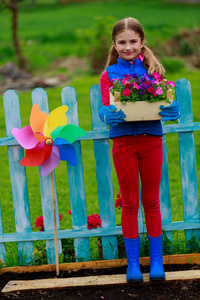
(165,191)
(39,96)
(18,177)
(104,177)
(76,181)
(100,136)
(2,246)
(187,157)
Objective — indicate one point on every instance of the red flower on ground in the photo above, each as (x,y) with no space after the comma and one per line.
(40,222)
(94,221)
(118,202)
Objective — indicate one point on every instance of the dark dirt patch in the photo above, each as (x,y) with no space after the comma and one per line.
(158,291)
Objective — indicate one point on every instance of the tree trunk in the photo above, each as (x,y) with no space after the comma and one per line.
(21,58)
(12,5)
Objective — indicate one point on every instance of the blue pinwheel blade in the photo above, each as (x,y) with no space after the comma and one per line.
(67,151)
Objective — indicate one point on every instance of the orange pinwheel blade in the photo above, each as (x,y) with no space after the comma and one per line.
(37,119)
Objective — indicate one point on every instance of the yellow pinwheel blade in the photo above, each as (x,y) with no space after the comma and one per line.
(55,119)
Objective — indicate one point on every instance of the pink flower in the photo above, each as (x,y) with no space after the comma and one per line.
(69,212)
(124,81)
(94,221)
(171,83)
(114,80)
(159,91)
(126,92)
(136,85)
(118,202)
(40,222)
(158,77)
(150,89)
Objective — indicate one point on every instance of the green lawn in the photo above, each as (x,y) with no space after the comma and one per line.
(48,31)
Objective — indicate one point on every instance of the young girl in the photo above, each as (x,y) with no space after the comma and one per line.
(137,147)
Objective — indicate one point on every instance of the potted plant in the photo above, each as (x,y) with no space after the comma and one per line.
(140,98)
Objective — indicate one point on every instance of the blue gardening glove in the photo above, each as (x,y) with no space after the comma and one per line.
(171,112)
(111,116)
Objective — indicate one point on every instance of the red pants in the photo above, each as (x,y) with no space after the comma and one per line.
(134,155)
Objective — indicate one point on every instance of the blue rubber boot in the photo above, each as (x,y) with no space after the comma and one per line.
(132,247)
(156,259)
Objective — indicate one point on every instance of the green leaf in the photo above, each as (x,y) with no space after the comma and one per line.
(61,257)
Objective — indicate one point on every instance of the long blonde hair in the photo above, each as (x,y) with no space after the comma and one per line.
(150,61)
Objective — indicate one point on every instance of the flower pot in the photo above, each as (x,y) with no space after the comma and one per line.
(140,110)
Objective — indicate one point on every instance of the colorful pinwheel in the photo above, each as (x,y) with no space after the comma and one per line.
(48,139)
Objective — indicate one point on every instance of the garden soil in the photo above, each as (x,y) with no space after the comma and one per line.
(175,290)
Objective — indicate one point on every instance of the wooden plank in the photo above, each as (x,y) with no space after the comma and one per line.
(103,280)
(104,176)
(76,181)
(193,258)
(39,96)
(18,177)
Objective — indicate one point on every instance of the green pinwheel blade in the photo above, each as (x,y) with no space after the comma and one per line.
(68,132)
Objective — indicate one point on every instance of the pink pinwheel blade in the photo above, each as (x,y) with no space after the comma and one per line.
(52,162)
(36,156)
(25,137)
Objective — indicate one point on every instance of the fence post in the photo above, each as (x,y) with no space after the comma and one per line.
(187,157)
(18,177)
(2,246)
(76,180)
(165,191)
(39,96)
(104,176)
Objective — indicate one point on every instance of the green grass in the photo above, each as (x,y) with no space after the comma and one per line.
(48,30)
(82,85)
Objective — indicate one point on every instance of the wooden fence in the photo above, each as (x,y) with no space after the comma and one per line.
(99,134)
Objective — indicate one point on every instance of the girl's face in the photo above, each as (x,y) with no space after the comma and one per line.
(128,44)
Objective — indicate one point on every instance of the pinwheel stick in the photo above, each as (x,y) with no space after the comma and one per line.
(55,227)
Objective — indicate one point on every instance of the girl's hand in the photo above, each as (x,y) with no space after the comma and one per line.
(111,116)
(171,112)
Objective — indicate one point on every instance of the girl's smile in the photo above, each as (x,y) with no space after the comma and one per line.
(128,44)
